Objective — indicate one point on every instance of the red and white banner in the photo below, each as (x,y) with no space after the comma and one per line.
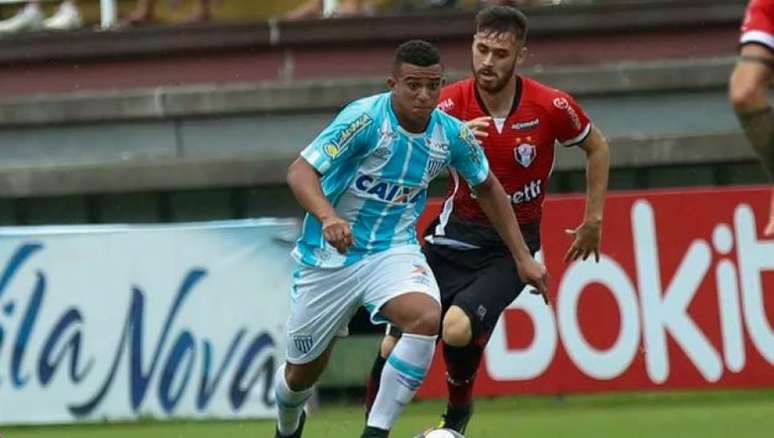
(683,297)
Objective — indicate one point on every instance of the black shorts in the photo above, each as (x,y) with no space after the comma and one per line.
(482,282)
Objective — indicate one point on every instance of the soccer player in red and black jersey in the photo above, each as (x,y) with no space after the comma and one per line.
(749,86)
(519,121)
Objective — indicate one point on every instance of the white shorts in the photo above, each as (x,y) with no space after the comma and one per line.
(323,301)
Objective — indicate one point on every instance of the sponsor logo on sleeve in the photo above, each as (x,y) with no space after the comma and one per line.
(331,150)
(475,153)
(564,104)
(339,145)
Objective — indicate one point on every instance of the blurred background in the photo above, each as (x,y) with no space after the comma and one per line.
(164,112)
(162,121)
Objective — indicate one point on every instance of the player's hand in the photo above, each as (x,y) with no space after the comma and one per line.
(587,237)
(535,274)
(479,126)
(338,233)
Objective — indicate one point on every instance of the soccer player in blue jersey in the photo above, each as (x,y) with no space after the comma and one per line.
(363,182)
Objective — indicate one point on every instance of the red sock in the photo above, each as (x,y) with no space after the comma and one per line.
(461,366)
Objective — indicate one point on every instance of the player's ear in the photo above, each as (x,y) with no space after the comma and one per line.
(521,57)
(392,83)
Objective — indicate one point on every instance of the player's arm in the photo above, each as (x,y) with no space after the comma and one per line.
(749,94)
(588,235)
(469,160)
(304,181)
(497,207)
(335,146)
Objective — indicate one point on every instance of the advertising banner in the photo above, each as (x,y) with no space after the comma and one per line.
(683,297)
(119,322)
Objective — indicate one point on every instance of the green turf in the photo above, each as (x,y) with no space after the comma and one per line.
(727,414)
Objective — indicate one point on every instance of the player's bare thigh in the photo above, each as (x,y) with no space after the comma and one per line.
(414,312)
(456,331)
(750,81)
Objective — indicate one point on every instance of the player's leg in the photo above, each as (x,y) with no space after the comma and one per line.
(402,291)
(451,277)
(294,385)
(385,348)
(466,329)
(748,91)
(322,303)
(418,315)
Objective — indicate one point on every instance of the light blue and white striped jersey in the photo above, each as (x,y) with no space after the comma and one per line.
(375,174)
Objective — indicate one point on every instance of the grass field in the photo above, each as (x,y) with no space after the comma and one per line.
(727,414)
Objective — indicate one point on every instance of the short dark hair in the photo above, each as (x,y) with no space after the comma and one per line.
(417,52)
(502,19)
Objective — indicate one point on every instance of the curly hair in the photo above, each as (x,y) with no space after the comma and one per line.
(417,52)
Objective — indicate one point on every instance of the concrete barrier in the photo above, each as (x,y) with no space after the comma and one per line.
(329,94)
(247,170)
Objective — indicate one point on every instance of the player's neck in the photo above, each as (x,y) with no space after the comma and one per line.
(500,103)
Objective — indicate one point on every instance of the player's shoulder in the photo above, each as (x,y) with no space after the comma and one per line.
(544,95)
(367,108)
(454,129)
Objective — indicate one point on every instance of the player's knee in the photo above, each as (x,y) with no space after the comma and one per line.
(298,379)
(457,330)
(388,343)
(426,323)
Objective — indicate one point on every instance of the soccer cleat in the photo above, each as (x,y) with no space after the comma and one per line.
(456,418)
(375,432)
(299,429)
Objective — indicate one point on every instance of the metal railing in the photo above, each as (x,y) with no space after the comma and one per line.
(108,13)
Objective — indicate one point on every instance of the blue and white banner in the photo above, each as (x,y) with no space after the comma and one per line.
(118,322)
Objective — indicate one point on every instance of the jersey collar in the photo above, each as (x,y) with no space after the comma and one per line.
(516,97)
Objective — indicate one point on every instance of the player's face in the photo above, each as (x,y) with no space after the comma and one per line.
(495,56)
(416,91)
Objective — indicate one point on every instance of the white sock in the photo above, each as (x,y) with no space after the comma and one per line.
(403,373)
(290,404)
